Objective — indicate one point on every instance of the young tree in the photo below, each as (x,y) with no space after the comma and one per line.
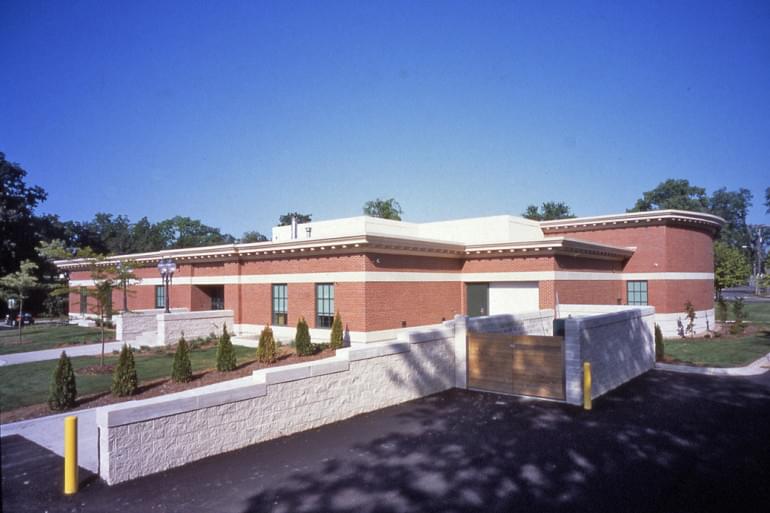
(63,389)
(225,352)
(267,352)
(102,275)
(385,209)
(690,314)
(550,210)
(18,285)
(673,194)
(182,370)
(285,220)
(302,339)
(124,276)
(731,267)
(124,379)
(740,315)
(336,340)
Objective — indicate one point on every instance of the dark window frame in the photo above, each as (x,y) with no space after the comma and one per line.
(637,293)
(324,305)
(279,304)
(160,293)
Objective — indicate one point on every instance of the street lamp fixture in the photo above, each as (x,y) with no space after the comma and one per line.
(167,267)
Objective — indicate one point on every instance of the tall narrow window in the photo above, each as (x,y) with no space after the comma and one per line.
(637,292)
(324,305)
(280,305)
(83,301)
(160,296)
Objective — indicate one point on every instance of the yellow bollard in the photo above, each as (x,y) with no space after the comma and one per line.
(70,455)
(587,385)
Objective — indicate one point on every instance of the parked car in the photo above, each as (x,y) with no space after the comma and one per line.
(25,318)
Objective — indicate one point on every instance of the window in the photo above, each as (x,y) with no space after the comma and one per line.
(637,292)
(324,305)
(160,296)
(83,301)
(280,310)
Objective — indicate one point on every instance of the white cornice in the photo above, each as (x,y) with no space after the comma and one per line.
(634,218)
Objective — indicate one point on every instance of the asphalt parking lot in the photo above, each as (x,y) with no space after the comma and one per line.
(662,443)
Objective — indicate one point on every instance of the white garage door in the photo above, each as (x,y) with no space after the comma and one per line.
(513,297)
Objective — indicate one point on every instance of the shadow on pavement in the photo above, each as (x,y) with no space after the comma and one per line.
(663,443)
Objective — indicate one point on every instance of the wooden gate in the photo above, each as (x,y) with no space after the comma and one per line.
(521,365)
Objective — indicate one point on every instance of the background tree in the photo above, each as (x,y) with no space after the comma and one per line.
(285,220)
(767,200)
(63,389)
(125,276)
(673,194)
(253,236)
(733,207)
(17,218)
(385,209)
(184,232)
(19,285)
(548,211)
(731,267)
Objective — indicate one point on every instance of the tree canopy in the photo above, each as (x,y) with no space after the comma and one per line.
(673,194)
(253,236)
(548,211)
(383,208)
(733,207)
(731,266)
(285,220)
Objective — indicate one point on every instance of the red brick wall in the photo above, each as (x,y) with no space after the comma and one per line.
(298,264)
(509,264)
(387,304)
(650,242)
(590,292)
(570,263)
(408,263)
(689,250)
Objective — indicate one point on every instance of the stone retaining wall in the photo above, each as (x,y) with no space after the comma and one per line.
(138,438)
(619,346)
(172,325)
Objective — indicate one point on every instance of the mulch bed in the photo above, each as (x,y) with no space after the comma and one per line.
(157,387)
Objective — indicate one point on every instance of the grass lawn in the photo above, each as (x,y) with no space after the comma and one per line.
(755,312)
(26,384)
(49,336)
(719,352)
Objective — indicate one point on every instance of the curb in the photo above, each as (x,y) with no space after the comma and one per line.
(755,368)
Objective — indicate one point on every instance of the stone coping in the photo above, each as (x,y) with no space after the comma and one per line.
(604,319)
(199,314)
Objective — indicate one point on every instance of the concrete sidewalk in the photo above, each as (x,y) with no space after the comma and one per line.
(49,433)
(53,354)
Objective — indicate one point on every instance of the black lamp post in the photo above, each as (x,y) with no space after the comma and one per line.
(167,267)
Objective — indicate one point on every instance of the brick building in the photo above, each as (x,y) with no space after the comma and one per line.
(384,275)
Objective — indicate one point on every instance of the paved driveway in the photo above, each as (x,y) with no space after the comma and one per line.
(663,443)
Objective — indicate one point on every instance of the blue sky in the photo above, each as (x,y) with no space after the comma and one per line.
(237,112)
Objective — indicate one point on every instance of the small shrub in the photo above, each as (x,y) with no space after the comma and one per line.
(225,353)
(740,315)
(659,349)
(302,339)
(63,389)
(335,341)
(124,380)
(266,352)
(689,310)
(182,370)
